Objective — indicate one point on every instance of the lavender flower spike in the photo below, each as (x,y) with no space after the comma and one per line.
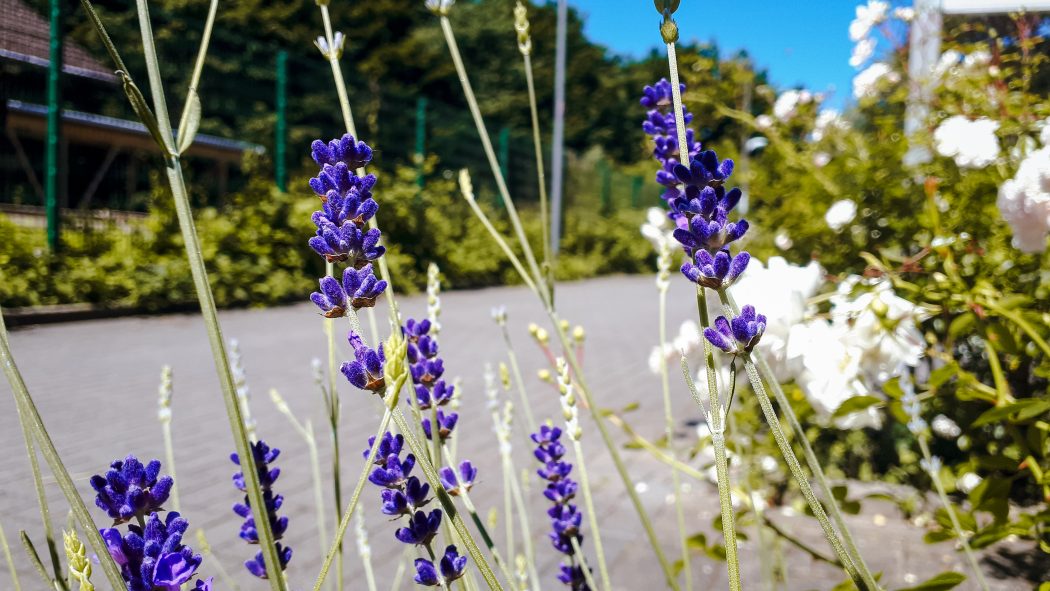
(718,271)
(263,455)
(421,528)
(359,289)
(452,567)
(454,484)
(366,371)
(739,335)
(153,558)
(130,490)
(565,517)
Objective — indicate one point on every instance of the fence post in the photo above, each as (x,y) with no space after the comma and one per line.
(281,128)
(421,138)
(504,152)
(636,190)
(54,121)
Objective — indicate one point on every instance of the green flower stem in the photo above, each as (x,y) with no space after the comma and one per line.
(950,509)
(366,557)
(676,479)
(41,498)
(764,520)
(508,503)
(344,521)
(169,456)
(592,515)
(548,263)
(486,143)
(812,462)
(614,453)
(485,537)
(715,418)
(17,586)
(34,559)
(518,381)
(307,433)
(676,99)
(29,415)
(500,240)
(420,451)
(206,550)
(583,565)
(655,451)
(523,517)
(716,421)
(800,476)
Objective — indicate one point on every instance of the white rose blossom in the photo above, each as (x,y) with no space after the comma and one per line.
(840,213)
(1024,202)
(972,144)
(862,52)
(869,15)
(868,81)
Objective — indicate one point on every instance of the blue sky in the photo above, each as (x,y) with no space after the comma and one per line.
(799,41)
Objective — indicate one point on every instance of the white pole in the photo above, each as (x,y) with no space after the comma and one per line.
(923,53)
(558,139)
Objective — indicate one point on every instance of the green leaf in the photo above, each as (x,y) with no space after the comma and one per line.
(961,324)
(941,582)
(190,121)
(1014,412)
(141,108)
(856,404)
(942,374)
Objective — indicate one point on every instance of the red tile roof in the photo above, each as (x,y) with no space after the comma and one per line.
(24,37)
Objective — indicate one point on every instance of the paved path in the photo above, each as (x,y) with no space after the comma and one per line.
(96,382)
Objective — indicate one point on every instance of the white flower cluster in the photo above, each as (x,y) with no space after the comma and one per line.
(840,213)
(657,228)
(873,78)
(972,144)
(869,336)
(788,103)
(875,12)
(1024,200)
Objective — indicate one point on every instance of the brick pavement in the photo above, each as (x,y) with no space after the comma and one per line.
(96,382)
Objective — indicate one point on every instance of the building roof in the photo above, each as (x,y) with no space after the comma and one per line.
(90,128)
(25,37)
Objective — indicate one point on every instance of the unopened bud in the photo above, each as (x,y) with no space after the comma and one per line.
(578,334)
(504,375)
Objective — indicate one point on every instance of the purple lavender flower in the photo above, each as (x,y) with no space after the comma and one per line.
(397,502)
(413,330)
(203,585)
(446,424)
(421,528)
(359,289)
(718,271)
(153,558)
(263,455)
(739,335)
(566,518)
(347,242)
(388,444)
(130,490)
(452,567)
(345,150)
(455,484)
(440,394)
(393,473)
(366,371)
(257,565)
(355,205)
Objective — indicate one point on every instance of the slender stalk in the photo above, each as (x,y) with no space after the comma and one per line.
(41,497)
(164,416)
(676,99)
(665,383)
(540,173)
(216,562)
(467,191)
(592,515)
(586,570)
(420,451)
(807,451)
(508,526)
(799,475)
(29,415)
(519,382)
(952,515)
(523,517)
(614,453)
(486,143)
(363,549)
(655,450)
(34,559)
(715,418)
(485,537)
(10,561)
(344,522)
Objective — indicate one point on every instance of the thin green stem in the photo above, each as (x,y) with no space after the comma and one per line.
(523,517)
(952,515)
(28,414)
(420,451)
(676,99)
(508,526)
(799,475)
(34,559)
(41,497)
(715,418)
(518,381)
(169,456)
(10,560)
(206,550)
(586,570)
(364,552)
(676,480)
(485,537)
(592,515)
(344,521)
(655,450)
(501,241)
(486,143)
(540,174)
(730,307)
(610,445)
